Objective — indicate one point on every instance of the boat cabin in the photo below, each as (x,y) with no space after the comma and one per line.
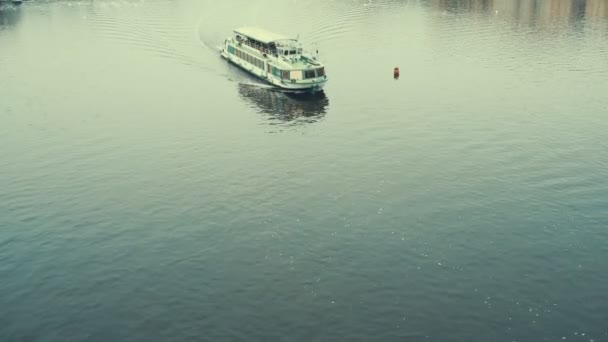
(268,42)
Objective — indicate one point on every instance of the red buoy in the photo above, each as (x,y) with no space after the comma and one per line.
(396,72)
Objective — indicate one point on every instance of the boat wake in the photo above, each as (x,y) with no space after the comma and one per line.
(211,41)
(147,28)
(258,85)
(209,38)
(296,94)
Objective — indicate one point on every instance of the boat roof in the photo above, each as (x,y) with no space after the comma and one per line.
(261,34)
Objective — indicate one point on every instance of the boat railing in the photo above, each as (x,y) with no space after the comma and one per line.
(259,47)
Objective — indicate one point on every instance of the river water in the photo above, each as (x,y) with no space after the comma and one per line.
(151,192)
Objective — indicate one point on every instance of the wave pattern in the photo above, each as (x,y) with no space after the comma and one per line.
(141,194)
(149,28)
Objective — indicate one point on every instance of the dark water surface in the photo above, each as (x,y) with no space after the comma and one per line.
(151,192)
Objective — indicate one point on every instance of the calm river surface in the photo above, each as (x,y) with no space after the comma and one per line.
(151,192)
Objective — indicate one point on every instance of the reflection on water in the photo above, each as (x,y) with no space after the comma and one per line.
(530,10)
(9,15)
(285,107)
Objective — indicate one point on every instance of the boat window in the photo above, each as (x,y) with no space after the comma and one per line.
(320,72)
(286,74)
(292,52)
(286,52)
(309,74)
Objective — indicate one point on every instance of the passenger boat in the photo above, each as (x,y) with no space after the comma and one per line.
(274,58)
